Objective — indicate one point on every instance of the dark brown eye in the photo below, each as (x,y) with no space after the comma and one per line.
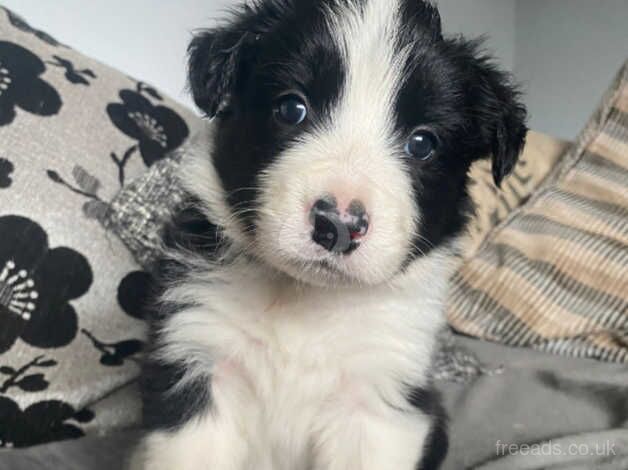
(291,110)
(422,145)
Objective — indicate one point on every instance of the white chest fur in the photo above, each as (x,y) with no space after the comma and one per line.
(289,360)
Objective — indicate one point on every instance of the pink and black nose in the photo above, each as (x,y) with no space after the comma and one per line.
(338,230)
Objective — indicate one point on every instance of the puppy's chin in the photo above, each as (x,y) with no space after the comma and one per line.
(310,264)
(326,274)
(318,274)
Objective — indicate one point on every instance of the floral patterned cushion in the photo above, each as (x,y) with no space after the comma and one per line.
(72,132)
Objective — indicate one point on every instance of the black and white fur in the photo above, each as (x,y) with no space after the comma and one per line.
(270,352)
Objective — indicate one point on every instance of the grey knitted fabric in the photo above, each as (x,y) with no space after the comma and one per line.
(140,209)
(455,363)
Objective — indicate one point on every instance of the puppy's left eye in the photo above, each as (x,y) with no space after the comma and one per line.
(422,145)
(291,110)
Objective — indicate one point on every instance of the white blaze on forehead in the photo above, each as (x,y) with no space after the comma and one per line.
(353,156)
(367,36)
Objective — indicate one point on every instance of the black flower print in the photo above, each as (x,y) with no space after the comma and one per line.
(149,90)
(18,22)
(121,162)
(133,293)
(114,354)
(36,285)
(78,77)
(20,85)
(157,129)
(23,377)
(42,422)
(6,168)
(86,185)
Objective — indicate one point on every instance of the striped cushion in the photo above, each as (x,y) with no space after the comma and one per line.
(493,205)
(554,274)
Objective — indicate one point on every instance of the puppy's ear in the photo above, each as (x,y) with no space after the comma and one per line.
(499,115)
(219,59)
(428,13)
(216,58)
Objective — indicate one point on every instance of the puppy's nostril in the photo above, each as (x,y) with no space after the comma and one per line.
(356,208)
(359,220)
(329,231)
(326,204)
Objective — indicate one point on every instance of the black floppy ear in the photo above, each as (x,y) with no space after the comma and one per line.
(219,58)
(215,60)
(499,115)
(427,14)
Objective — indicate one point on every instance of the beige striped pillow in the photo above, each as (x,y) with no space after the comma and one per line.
(554,274)
(540,155)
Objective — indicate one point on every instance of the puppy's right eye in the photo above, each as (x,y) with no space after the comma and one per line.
(291,110)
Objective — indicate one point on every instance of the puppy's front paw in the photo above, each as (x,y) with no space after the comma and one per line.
(163,452)
(199,445)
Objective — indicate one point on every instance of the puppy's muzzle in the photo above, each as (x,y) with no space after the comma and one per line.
(338,231)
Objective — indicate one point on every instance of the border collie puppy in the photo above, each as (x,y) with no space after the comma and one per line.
(304,280)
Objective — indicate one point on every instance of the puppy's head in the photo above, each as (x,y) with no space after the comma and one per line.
(343,133)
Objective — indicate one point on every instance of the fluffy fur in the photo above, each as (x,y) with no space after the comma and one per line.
(270,352)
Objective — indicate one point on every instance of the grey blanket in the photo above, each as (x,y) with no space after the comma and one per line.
(539,411)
